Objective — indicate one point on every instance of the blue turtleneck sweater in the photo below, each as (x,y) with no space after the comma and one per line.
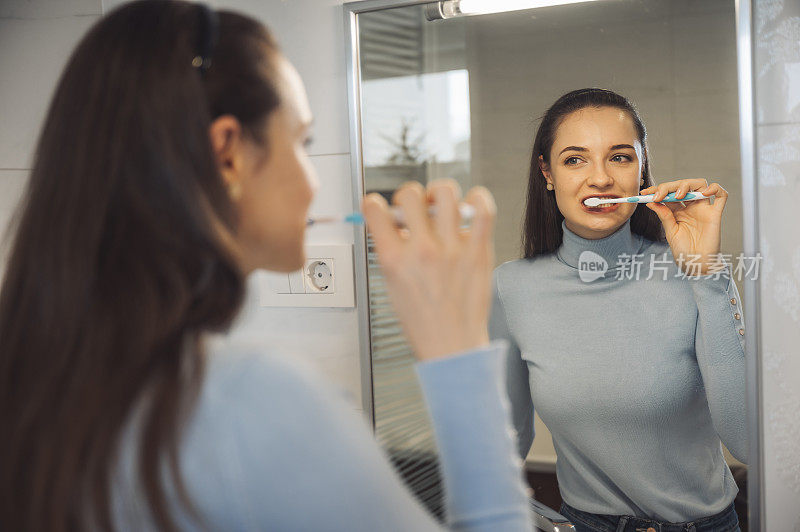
(638,380)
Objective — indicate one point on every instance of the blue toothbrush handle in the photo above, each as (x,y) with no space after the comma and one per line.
(669,197)
(688,196)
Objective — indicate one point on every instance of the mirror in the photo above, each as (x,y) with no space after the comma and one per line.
(462,98)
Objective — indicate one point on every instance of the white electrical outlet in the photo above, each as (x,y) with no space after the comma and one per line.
(319,276)
(326,280)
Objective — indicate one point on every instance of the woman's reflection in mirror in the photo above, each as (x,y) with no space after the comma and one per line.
(634,361)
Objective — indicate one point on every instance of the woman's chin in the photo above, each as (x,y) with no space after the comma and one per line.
(597,222)
(286,260)
(290,263)
(285,253)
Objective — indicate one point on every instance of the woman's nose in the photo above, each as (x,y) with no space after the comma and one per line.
(313,182)
(600,177)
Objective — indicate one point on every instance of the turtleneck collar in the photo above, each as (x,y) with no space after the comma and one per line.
(622,241)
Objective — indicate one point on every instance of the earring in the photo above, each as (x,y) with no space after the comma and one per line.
(549,186)
(235,191)
(642,181)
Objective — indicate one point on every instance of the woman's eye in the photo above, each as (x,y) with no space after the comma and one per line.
(620,158)
(569,161)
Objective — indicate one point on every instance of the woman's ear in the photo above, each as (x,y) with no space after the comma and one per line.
(225,134)
(545,168)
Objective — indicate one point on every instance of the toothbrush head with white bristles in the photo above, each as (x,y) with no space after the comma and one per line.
(648,198)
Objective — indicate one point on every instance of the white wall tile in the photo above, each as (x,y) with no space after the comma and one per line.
(311,34)
(704,49)
(44,9)
(33,52)
(12,183)
(334,197)
(110,5)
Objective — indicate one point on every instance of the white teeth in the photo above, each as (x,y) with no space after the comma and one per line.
(604,205)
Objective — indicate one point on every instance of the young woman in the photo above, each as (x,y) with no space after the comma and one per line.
(170,165)
(630,347)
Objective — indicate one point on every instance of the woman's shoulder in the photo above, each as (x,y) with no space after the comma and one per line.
(259,417)
(245,381)
(519,281)
(521,276)
(523,266)
(245,368)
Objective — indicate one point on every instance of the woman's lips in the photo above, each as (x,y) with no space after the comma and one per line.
(599,210)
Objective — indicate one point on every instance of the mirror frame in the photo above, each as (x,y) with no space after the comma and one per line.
(750,232)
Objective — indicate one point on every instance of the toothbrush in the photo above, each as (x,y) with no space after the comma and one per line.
(648,198)
(355,218)
(466,211)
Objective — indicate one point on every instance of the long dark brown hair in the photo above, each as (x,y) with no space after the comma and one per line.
(116,268)
(542,231)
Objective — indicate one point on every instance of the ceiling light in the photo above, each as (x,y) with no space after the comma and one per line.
(456,8)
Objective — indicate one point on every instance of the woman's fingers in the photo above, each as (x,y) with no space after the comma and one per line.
(485,211)
(438,279)
(381,224)
(719,193)
(412,200)
(674,206)
(445,194)
(665,214)
(680,187)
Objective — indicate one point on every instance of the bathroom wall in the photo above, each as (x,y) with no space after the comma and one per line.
(777,71)
(36,37)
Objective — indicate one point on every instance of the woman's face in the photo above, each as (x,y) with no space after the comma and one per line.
(277,181)
(596,152)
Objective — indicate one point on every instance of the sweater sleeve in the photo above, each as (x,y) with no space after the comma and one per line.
(719,345)
(517,383)
(277,448)
(483,476)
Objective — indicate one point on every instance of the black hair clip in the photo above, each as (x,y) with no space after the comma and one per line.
(207,37)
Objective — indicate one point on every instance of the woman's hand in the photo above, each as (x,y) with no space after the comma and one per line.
(438,275)
(692,228)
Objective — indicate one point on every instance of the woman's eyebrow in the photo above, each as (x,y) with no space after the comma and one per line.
(622,147)
(573,148)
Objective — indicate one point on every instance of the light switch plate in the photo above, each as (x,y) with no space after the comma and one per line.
(302,295)
(276,282)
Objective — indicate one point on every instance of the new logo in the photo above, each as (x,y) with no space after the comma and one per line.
(591,266)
